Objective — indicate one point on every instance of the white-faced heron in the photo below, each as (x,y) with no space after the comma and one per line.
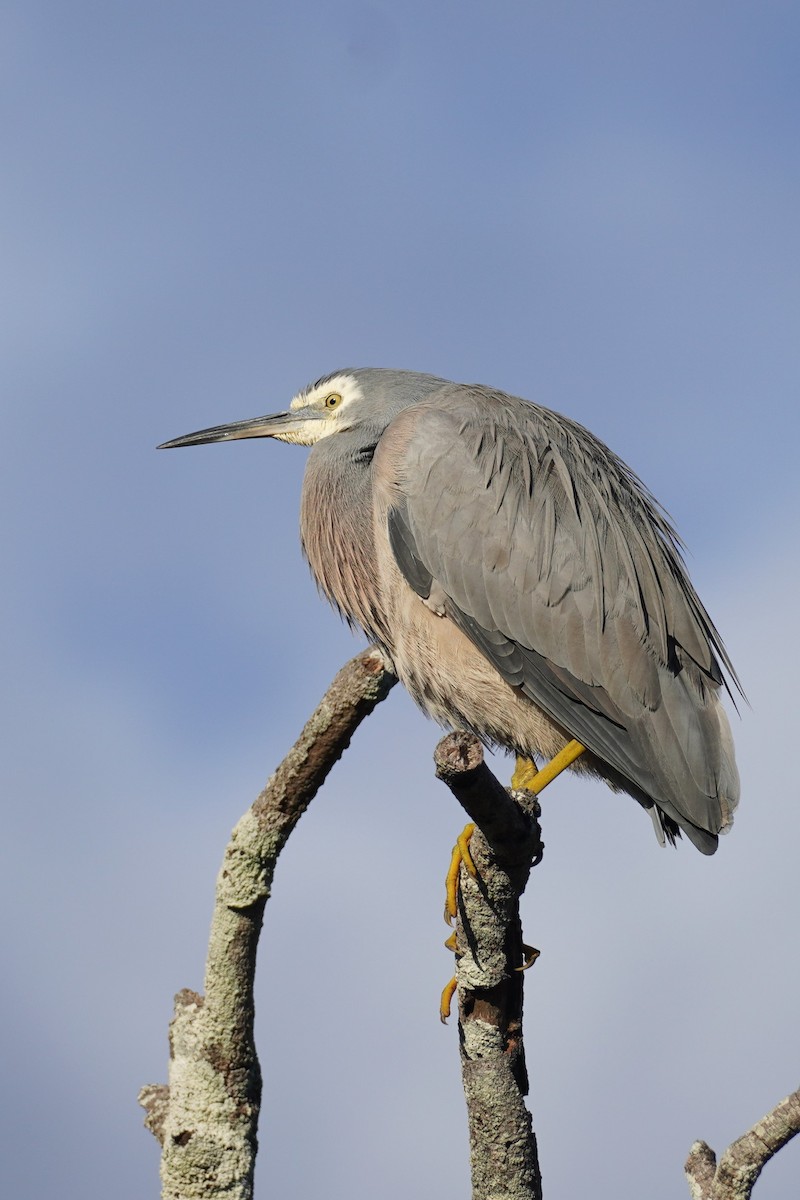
(521,578)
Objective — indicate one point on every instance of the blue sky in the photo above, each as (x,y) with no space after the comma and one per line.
(203,208)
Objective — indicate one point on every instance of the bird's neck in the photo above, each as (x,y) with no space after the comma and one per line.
(336,529)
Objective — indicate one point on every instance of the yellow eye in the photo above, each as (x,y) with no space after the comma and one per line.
(332,400)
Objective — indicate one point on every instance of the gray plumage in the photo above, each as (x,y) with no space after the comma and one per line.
(522,579)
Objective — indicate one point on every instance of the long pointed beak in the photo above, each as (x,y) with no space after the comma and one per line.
(281,425)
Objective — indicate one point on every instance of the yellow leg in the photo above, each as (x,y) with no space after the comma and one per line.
(527,778)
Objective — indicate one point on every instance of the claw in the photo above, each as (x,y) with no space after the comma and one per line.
(531,955)
(446,1000)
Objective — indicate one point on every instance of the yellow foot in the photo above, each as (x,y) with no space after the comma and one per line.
(526,777)
(524,774)
(446,1000)
(460,855)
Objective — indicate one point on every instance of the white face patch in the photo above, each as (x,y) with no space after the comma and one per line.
(318,397)
(301,437)
(344,385)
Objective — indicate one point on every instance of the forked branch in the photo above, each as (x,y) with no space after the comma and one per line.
(734,1177)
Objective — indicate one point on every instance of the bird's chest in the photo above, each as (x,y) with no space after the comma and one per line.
(338,541)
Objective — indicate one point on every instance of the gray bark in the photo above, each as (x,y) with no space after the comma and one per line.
(206,1116)
(489,957)
(734,1177)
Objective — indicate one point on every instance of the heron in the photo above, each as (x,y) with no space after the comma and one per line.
(525,584)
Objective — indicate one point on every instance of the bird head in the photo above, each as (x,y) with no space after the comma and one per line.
(367,397)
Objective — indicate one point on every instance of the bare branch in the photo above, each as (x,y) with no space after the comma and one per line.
(745,1159)
(489,955)
(206,1120)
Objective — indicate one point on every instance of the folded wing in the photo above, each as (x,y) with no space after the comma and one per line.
(559,566)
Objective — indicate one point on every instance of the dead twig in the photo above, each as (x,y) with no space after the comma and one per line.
(206,1118)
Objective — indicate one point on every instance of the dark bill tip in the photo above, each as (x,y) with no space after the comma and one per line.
(201,438)
(268,426)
